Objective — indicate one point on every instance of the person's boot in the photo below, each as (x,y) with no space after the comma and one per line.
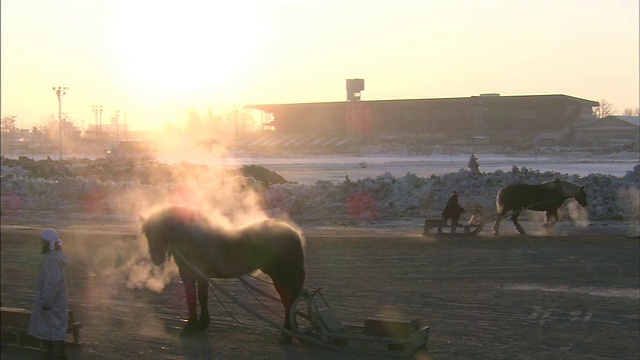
(48,350)
(57,352)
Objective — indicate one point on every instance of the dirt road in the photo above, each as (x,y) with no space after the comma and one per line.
(570,296)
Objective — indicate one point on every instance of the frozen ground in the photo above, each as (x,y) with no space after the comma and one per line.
(572,296)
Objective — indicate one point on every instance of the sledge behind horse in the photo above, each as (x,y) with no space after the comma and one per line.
(271,246)
(547,196)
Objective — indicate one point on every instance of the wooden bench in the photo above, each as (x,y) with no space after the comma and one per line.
(16,321)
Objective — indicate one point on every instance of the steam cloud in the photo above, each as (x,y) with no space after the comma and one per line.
(630,200)
(141,273)
(219,193)
(578,214)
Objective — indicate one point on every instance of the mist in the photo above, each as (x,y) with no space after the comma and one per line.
(629,199)
(578,214)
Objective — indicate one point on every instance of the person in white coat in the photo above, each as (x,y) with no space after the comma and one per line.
(49,318)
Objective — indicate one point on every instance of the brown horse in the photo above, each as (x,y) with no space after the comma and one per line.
(547,196)
(271,246)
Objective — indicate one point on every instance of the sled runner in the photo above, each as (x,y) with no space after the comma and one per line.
(313,318)
(470,223)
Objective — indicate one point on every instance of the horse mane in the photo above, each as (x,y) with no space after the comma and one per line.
(567,188)
(169,223)
(164,225)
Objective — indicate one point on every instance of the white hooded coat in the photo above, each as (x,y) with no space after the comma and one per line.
(51,293)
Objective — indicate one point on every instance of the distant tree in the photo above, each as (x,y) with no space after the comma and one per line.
(603,110)
(8,124)
(170,128)
(632,112)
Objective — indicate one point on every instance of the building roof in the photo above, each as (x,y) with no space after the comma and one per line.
(614,122)
(483,98)
(633,120)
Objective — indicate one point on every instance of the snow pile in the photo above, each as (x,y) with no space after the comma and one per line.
(98,187)
(388,197)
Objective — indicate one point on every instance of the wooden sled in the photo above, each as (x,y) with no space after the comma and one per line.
(15,321)
(468,225)
(314,319)
(314,322)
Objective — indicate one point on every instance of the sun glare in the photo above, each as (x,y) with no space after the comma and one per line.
(187,45)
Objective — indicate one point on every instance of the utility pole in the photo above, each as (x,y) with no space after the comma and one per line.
(235,111)
(60,93)
(97,110)
(126,129)
(117,117)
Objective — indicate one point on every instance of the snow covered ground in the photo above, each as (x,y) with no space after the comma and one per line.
(347,189)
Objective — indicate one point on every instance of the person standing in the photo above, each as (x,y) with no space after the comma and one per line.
(50,307)
(473,164)
(453,210)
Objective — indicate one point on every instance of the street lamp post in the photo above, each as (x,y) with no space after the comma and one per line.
(60,92)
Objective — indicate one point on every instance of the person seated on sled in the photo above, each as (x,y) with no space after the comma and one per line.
(453,210)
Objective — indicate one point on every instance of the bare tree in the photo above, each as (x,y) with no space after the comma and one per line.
(8,124)
(604,109)
(632,112)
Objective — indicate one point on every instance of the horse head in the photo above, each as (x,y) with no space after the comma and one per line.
(158,244)
(581,197)
(571,190)
(162,227)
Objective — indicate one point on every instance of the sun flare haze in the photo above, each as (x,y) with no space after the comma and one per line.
(185,46)
(156,61)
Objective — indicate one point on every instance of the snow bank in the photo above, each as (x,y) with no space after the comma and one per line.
(388,197)
(99,187)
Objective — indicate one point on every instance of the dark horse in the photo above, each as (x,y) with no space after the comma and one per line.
(271,246)
(548,196)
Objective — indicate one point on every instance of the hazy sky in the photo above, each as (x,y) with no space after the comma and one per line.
(155,60)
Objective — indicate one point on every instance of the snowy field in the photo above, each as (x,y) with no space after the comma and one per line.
(307,170)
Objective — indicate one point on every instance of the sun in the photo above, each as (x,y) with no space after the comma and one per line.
(187,45)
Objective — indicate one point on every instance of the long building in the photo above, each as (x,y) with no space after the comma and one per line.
(495,118)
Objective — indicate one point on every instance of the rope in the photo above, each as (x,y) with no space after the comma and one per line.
(258,290)
(251,289)
(215,295)
(258,279)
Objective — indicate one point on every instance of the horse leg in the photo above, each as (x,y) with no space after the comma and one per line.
(550,219)
(289,286)
(496,225)
(190,292)
(514,219)
(203,298)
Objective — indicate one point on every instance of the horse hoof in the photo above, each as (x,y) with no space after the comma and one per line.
(188,330)
(285,339)
(203,325)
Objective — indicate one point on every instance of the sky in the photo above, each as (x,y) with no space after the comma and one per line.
(155,61)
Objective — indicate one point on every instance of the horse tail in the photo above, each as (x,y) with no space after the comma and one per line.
(500,201)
